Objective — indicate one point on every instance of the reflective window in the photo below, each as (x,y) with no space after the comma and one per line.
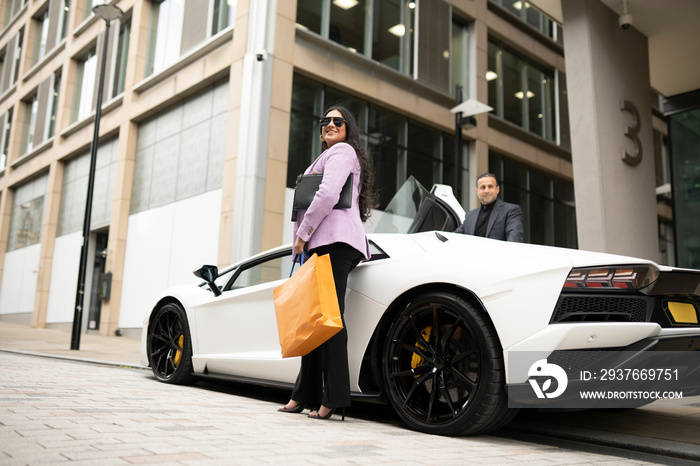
(27,211)
(347,24)
(223,14)
(63,16)
(17,56)
(165,31)
(309,14)
(387,31)
(41,34)
(547,202)
(460,57)
(399,147)
(31,108)
(121,56)
(521,92)
(5,138)
(87,9)
(684,129)
(84,87)
(392,33)
(529,14)
(53,102)
(266,271)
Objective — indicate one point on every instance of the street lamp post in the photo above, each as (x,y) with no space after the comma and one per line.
(464,119)
(108,13)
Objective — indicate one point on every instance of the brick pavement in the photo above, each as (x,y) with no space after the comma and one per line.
(59,411)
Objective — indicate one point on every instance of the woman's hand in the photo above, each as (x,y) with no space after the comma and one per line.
(299,245)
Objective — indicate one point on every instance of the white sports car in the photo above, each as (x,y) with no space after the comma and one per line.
(434,317)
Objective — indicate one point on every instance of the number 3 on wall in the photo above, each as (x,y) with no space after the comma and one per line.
(632,133)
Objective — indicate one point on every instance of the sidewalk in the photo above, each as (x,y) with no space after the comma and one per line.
(93,347)
(665,427)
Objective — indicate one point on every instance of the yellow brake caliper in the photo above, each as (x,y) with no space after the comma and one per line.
(180,344)
(416,360)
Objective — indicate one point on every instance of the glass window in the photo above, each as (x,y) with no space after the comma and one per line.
(3,54)
(460,57)
(53,102)
(63,16)
(268,270)
(165,31)
(27,211)
(424,154)
(7,128)
(527,13)
(521,92)
(661,159)
(547,202)
(17,55)
(399,147)
(84,87)
(347,24)
(121,57)
(8,13)
(87,9)
(684,130)
(387,144)
(514,91)
(223,15)
(180,151)
(494,71)
(31,107)
(41,36)
(309,14)
(389,33)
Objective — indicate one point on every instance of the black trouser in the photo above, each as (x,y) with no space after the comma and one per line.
(324,375)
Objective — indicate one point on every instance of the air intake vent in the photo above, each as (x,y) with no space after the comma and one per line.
(600,309)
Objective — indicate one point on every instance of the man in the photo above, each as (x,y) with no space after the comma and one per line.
(494,218)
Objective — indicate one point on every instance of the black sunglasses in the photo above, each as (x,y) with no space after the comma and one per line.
(337,121)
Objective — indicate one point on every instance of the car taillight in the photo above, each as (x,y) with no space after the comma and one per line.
(632,277)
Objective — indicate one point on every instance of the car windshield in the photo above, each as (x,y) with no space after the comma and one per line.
(401,211)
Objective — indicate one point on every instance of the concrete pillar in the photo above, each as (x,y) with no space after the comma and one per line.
(52,203)
(606,66)
(123,180)
(255,84)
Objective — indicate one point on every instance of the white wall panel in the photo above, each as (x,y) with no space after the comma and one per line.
(19,280)
(64,278)
(163,246)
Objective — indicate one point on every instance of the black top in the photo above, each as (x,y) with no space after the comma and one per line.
(482,220)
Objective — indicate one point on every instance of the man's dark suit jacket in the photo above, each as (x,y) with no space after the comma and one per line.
(505,223)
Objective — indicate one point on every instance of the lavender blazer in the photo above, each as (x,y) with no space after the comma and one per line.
(320,224)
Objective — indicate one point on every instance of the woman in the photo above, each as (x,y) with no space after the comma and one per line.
(324,375)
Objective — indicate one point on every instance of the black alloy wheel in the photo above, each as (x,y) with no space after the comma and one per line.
(170,346)
(443,368)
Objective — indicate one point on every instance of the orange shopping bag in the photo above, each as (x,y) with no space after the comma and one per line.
(307,307)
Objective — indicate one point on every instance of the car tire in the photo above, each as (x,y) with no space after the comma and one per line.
(450,381)
(170,345)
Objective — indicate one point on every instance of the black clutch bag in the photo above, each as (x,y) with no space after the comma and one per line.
(307,185)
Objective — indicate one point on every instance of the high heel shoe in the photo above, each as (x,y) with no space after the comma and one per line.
(328,416)
(295,410)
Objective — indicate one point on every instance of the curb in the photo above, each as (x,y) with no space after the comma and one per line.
(72,358)
(650,445)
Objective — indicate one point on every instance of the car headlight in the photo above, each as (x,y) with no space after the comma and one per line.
(627,277)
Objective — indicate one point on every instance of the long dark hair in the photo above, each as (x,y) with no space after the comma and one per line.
(368,197)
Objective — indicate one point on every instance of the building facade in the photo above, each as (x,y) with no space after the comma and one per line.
(211,110)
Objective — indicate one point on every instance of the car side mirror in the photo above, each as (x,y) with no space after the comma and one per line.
(208,273)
